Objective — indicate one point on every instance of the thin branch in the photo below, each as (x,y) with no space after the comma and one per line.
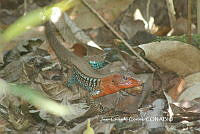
(198,16)
(171,12)
(118,35)
(189,31)
(25,7)
(147,13)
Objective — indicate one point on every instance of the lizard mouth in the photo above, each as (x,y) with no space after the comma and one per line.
(130,84)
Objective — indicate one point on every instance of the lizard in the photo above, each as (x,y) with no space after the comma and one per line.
(96,83)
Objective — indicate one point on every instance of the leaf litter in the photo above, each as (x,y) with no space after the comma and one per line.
(177,76)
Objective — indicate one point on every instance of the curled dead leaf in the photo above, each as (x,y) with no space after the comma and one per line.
(175,56)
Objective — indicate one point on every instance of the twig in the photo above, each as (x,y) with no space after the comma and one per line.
(189,31)
(198,16)
(118,35)
(147,13)
(171,12)
(25,7)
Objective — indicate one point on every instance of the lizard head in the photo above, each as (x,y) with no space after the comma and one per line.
(122,81)
(114,83)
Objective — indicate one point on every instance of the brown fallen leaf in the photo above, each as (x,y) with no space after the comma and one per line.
(177,89)
(192,79)
(130,27)
(182,58)
(79,50)
(180,27)
(192,86)
(128,104)
(190,93)
(110,10)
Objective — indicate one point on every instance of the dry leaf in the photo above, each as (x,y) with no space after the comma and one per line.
(190,93)
(182,58)
(109,9)
(192,79)
(192,88)
(130,27)
(177,89)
